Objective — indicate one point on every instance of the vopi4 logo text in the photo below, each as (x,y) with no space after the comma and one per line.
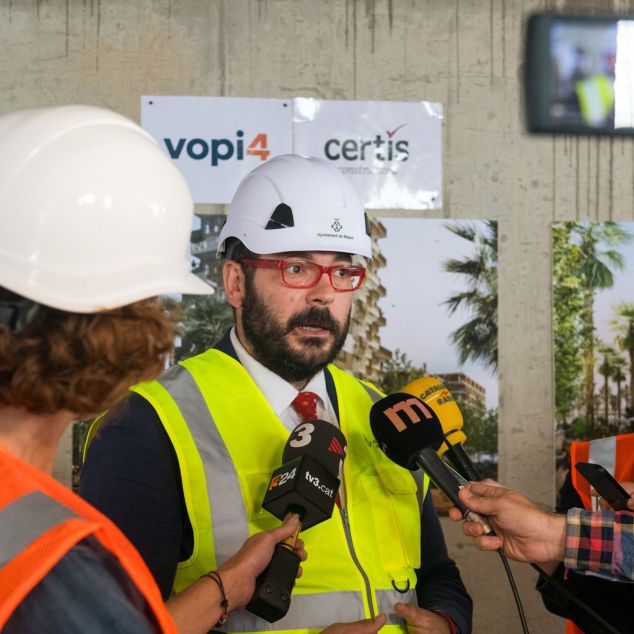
(219,149)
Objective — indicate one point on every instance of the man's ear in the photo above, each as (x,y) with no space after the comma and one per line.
(234,283)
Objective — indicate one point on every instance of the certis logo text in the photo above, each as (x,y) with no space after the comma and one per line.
(219,149)
(378,148)
(314,480)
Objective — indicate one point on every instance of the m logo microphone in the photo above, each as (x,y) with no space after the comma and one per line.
(414,443)
(401,423)
(407,412)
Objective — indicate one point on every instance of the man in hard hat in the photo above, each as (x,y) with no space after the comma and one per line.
(195,450)
(94,222)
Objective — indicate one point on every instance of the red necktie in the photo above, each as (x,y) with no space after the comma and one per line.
(305,404)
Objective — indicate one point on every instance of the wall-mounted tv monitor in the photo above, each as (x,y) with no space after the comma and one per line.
(579,74)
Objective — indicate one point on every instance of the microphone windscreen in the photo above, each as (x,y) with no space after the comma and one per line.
(319,439)
(432,392)
(403,426)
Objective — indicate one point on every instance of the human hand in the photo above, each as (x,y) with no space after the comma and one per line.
(421,621)
(523,530)
(366,626)
(628,486)
(240,571)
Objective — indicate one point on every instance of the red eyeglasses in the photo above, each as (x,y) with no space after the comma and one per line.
(304,274)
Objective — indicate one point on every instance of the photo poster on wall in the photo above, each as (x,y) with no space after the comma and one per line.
(593,335)
(391,151)
(438,304)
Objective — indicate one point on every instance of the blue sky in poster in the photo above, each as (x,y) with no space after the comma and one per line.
(417,321)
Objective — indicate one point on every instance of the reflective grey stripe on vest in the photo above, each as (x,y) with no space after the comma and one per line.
(373,394)
(26,519)
(387,598)
(603,452)
(228,521)
(314,611)
(307,611)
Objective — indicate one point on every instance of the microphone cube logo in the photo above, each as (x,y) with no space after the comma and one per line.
(407,412)
(282,478)
(314,480)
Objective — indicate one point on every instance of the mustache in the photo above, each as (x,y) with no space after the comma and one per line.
(316,317)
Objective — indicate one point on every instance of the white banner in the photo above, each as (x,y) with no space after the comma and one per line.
(216,141)
(390,150)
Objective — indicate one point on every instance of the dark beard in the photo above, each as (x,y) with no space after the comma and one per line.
(267,338)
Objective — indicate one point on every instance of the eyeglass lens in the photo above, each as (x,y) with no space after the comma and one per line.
(342,277)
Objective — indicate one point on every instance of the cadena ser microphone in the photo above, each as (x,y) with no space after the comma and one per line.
(410,434)
(439,399)
(305,485)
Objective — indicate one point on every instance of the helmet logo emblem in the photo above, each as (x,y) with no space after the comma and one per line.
(336,225)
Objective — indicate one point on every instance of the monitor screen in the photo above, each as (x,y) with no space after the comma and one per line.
(579,74)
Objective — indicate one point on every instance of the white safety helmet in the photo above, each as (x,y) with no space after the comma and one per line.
(296,203)
(93,215)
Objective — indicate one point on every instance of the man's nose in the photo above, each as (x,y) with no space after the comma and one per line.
(323,292)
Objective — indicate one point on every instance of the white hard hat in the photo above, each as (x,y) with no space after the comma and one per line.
(93,215)
(296,203)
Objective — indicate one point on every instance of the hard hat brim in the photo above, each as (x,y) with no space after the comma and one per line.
(89,293)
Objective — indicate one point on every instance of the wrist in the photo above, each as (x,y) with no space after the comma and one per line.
(556,538)
(224,603)
(448,620)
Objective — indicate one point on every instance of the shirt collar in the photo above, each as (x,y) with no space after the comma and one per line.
(278,393)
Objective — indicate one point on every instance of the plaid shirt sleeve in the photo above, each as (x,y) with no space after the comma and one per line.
(600,544)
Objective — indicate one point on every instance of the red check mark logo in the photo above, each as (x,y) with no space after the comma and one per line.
(391,134)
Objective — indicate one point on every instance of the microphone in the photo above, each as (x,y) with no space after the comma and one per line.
(439,399)
(409,433)
(305,485)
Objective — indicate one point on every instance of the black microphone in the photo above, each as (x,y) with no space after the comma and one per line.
(305,485)
(409,433)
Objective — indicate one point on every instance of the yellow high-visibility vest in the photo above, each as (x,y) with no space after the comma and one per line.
(228,441)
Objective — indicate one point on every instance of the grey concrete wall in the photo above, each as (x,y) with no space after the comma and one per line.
(463,53)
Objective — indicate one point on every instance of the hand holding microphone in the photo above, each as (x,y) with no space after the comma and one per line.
(522,529)
(305,486)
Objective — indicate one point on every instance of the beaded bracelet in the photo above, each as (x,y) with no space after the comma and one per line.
(224,604)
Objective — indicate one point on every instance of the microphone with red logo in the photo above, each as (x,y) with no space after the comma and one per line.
(439,399)
(410,434)
(306,485)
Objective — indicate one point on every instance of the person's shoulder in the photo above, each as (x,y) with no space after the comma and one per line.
(86,591)
(134,412)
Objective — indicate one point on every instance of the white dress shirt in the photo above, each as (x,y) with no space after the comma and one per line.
(279,393)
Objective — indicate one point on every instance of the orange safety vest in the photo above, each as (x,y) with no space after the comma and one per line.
(616,454)
(40,521)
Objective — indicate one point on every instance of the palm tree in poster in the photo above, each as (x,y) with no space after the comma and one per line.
(597,243)
(207,320)
(606,370)
(618,376)
(568,302)
(477,339)
(624,326)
